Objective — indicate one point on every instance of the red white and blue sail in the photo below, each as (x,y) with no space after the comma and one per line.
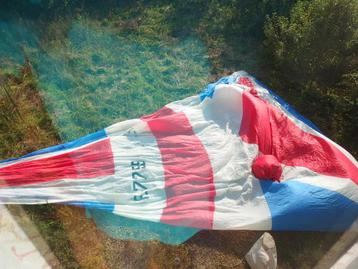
(234,157)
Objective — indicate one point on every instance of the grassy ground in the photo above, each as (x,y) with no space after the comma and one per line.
(86,70)
(24,124)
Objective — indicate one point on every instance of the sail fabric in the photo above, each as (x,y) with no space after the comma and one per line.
(233,157)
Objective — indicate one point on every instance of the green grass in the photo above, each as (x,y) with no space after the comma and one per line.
(24,124)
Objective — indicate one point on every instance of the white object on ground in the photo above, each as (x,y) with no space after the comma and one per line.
(263,254)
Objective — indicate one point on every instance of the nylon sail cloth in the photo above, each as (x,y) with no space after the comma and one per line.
(233,157)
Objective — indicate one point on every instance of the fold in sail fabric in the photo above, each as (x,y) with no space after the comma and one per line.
(234,157)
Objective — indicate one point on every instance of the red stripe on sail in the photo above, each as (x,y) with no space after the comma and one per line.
(90,161)
(276,134)
(189,182)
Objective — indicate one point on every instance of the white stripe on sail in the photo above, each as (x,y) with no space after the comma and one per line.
(239,202)
(139,175)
